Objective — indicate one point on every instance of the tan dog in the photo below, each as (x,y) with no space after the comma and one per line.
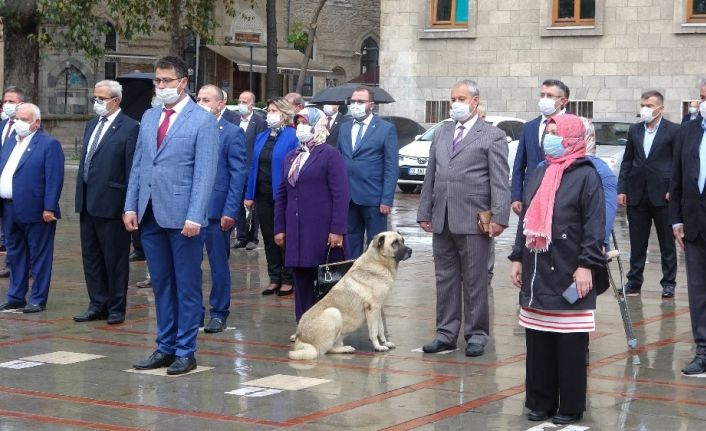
(356,298)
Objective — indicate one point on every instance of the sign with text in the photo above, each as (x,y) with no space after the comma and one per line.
(247,37)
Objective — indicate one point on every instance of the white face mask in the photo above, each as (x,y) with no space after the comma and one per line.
(304,133)
(156,103)
(168,96)
(3,116)
(99,108)
(460,111)
(702,109)
(647,114)
(9,109)
(693,110)
(243,108)
(547,106)
(206,108)
(274,119)
(329,110)
(22,128)
(357,110)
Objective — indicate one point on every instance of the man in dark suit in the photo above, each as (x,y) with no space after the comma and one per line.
(31,179)
(103,171)
(334,119)
(693,112)
(643,185)
(554,95)
(171,181)
(252,124)
(369,148)
(225,201)
(687,213)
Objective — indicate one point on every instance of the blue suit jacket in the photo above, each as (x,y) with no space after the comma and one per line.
(178,178)
(529,155)
(2,127)
(38,179)
(373,166)
(231,172)
(286,142)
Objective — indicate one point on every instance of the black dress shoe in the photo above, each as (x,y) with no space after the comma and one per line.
(271,289)
(136,256)
(10,306)
(216,324)
(562,419)
(156,360)
(181,365)
(5,272)
(696,366)
(474,349)
(90,316)
(631,290)
(283,292)
(668,292)
(33,308)
(538,415)
(437,346)
(240,244)
(116,318)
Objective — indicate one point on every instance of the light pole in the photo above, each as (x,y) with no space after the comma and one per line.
(66,87)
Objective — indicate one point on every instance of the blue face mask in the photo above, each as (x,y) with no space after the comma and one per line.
(553,147)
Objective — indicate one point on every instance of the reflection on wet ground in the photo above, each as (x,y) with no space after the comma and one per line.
(252,384)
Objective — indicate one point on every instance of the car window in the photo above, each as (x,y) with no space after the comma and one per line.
(611,133)
(516,129)
(506,126)
(429,134)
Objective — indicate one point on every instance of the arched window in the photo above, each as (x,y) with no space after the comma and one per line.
(369,59)
(111,45)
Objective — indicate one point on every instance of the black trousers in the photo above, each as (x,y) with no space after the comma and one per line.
(304,279)
(244,234)
(640,218)
(556,371)
(696,281)
(105,248)
(278,273)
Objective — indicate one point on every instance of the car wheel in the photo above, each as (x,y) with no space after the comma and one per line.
(407,188)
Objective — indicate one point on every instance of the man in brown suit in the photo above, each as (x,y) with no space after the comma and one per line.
(467,173)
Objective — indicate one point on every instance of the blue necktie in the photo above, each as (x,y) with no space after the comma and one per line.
(359,136)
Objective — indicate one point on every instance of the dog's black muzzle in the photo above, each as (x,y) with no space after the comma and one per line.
(403,253)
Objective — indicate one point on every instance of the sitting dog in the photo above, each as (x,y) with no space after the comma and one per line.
(357,297)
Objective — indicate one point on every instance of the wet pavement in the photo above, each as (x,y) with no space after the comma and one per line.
(246,382)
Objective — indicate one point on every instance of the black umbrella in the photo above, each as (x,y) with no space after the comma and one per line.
(342,94)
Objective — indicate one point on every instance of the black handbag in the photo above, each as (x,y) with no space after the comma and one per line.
(328,274)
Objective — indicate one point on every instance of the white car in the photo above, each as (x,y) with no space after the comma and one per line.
(415,155)
(611,137)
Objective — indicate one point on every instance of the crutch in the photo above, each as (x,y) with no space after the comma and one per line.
(620,295)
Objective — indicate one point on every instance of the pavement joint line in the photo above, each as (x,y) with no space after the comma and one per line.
(73,422)
(25,340)
(634,395)
(674,313)
(649,382)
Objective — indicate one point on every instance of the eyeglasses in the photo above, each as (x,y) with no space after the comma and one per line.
(101,100)
(165,81)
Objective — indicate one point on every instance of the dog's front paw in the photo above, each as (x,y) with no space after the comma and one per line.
(389,345)
(380,348)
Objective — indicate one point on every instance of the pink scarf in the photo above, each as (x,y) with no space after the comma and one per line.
(538,218)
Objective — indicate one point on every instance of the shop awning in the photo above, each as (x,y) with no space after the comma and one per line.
(288,60)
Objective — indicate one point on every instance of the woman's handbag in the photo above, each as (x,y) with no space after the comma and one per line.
(328,274)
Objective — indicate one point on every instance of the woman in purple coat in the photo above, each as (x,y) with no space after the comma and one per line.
(311,206)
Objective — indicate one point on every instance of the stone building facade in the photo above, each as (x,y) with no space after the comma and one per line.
(510,46)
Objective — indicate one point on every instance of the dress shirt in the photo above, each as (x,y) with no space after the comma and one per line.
(244,121)
(650,137)
(543,125)
(332,119)
(6,132)
(109,121)
(466,126)
(357,124)
(11,166)
(702,159)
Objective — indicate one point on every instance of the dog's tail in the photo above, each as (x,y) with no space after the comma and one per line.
(303,351)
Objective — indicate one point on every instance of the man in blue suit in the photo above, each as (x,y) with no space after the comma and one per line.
(171,181)
(554,95)
(106,159)
(226,199)
(31,179)
(369,147)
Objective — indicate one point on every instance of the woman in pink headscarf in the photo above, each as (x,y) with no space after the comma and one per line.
(558,244)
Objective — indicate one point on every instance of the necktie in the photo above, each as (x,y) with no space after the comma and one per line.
(544,132)
(93,147)
(162,131)
(702,165)
(328,123)
(358,136)
(458,138)
(9,127)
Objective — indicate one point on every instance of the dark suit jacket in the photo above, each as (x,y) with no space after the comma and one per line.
(648,173)
(230,172)
(335,127)
(231,116)
(529,155)
(109,170)
(687,117)
(38,179)
(2,127)
(373,165)
(256,126)
(686,202)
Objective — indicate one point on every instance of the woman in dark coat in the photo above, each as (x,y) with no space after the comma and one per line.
(270,149)
(557,247)
(311,209)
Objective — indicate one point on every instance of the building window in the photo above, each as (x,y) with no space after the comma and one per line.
(111,46)
(436,110)
(696,11)
(449,13)
(308,88)
(582,108)
(574,12)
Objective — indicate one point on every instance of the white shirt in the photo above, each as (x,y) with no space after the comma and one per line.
(543,125)
(110,118)
(356,126)
(244,121)
(333,119)
(5,131)
(466,126)
(11,166)
(177,110)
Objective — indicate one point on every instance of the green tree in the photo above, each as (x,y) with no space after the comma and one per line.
(310,36)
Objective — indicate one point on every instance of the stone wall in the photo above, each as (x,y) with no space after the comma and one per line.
(510,48)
